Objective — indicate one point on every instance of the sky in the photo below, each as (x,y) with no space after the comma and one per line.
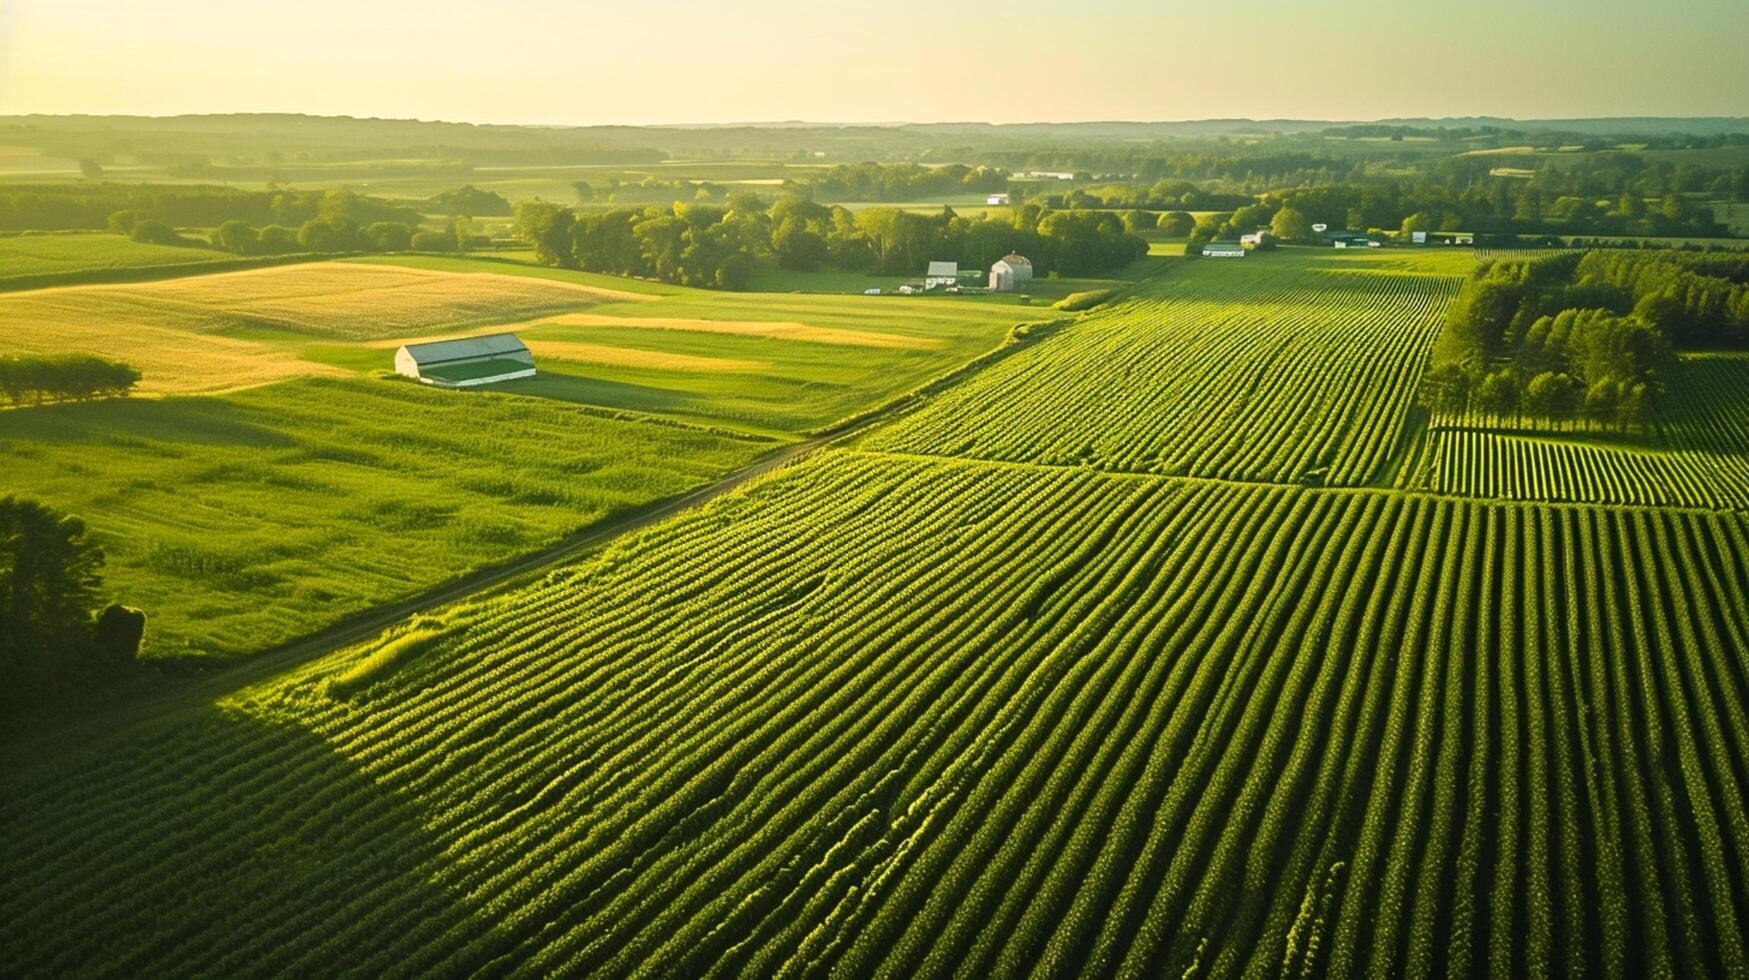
(672,61)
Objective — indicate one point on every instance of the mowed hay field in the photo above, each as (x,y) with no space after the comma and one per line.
(228,330)
(942,717)
(245,520)
(1286,367)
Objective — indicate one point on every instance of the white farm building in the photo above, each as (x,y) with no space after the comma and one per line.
(1011,272)
(941,274)
(467,361)
(1224,250)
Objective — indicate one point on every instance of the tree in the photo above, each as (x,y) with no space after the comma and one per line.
(278,240)
(1176,224)
(90,168)
(547,228)
(122,222)
(426,240)
(1419,221)
(49,581)
(798,248)
(584,192)
(1551,395)
(154,232)
(1138,221)
(237,236)
(389,236)
(329,235)
(1498,394)
(1291,225)
(1447,388)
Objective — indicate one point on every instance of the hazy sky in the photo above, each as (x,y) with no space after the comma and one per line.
(632,61)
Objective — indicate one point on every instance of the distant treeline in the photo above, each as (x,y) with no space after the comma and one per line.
(1162,195)
(708,245)
(899,181)
(1610,193)
(56,207)
(1585,336)
(29,379)
(469,201)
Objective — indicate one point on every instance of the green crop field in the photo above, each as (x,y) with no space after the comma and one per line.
(1284,367)
(250,519)
(1130,653)
(971,717)
(28,257)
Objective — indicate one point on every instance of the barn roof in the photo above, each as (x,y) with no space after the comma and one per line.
(466,348)
(1015,258)
(944,268)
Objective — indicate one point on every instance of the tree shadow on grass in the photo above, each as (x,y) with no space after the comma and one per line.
(213,843)
(202,420)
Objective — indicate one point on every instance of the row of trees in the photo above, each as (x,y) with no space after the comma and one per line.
(899,181)
(51,207)
(1162,195)
(32,379)
(56,634)
(707,245)
(343,235)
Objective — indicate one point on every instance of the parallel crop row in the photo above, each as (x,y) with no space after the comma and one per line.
(1283,370)
(879,716)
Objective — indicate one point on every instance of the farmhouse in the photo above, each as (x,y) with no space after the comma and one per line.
(1010,272)
(941,274)
(1223,250)
(467,361)
(996,199)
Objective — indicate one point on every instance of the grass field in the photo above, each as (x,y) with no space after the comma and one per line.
(1288,367)
(246,520)
(32,256)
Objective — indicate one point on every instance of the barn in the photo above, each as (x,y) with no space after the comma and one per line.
(1011,272)
(466,361)
(941,274)
(1223,250)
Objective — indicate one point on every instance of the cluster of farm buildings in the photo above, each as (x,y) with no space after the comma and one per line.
(1337,238)
(1007,274)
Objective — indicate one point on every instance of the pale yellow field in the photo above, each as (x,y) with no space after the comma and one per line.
(170,361)
(632,357)
(333,299)
(204,333)
(751,328)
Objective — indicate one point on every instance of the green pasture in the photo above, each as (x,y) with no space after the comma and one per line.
(245,520)
(31,256)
